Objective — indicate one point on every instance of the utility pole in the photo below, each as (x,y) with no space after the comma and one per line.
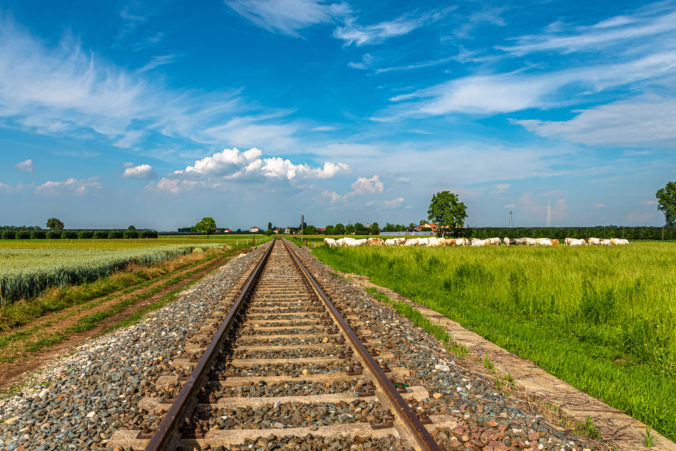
(302,222)
(510,220)
(549,213)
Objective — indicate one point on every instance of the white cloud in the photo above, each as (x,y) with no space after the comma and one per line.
(26,166)
(157,61)
(233,164)
(502,187)
(510,206)
(142,171)
(599,205)
(504,93)
(394,203)
(67,90)
(352,33)
(287,16)
(640,122)
(649,202)
(359,187)
(5,188)
(611,31)
(403,180)
(71,185)
(367,186)
(324,128)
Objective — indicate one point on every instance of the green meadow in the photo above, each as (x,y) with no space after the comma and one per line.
(601,318)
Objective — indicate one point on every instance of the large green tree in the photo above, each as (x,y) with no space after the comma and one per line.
(54,224)
(666,203)
(447,210)
(206,225)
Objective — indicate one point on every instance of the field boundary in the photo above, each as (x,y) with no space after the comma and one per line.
(615,426)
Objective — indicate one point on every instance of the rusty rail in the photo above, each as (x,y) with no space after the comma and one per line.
(416,430)
(167,435)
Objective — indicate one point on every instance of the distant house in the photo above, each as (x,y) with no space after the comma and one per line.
(277,230)
(254,229)
(287,231)
(227,231)
(321,229)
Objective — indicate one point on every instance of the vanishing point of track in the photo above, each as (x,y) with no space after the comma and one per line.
(282,321)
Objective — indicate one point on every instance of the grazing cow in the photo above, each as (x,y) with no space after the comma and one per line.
(478,242)
(519,242)
(423,241)
(391,242)
(606,242)
(361,242)
(449,242)
(461,242)
(531,242)
(506,241)
(619,241)
(411,242)
(330,242)
(436,242)
(494,241)
(575,242)
(594,241)
(375,242)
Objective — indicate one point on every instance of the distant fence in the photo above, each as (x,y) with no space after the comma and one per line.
(630,233)
(406,233)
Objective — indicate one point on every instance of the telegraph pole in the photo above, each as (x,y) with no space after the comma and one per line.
(302,222)
(510,220)
(549,213)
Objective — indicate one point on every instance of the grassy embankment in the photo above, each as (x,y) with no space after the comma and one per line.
(601,318)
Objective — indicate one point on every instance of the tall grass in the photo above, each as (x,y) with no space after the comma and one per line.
(601,318)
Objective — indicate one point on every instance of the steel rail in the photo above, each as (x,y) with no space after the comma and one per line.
(167,435)
(422,437)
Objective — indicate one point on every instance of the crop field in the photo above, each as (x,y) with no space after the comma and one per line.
(601,318)
(28,267)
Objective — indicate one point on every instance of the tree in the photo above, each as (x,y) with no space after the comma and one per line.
(446,210)
(206,225)
(666,203)
(310,230)
(339,229)
(131,227)
(54,224)
(360,229)
(330,230)
(375,229)
(349,229)
(270,227)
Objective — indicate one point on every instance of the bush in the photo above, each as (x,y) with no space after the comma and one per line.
(101,234)
(38,235)
(84,234)
(23,235)
(130,234)
(8,234)
(69,234)
(114,234)
(149,234)
(54,234)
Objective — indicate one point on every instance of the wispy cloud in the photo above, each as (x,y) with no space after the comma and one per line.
(25,166)
(71,185)
(645,121)
(352,33)
(394,203)
(230,165)
(157,61)
(66,90)
(142,171)
(502,187)
(287,16)
(612,31)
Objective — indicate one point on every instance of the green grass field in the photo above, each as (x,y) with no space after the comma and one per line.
(28,267)
(601,318)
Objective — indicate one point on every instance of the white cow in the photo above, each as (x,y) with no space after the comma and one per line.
(330,242)
(619,241)
(606,242)
(478,242)
(411,242)
(461,242)
(494,241)
(423,241)
(506,241)
(594,241)
(575,242)
(531,242)
(392,242)
(376,242)
(436,242)
(544,242)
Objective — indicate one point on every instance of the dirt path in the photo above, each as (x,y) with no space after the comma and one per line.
(58,322)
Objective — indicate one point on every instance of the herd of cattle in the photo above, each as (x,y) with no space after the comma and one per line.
(435,242)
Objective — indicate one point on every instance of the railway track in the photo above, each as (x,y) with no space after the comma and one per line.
(284,362)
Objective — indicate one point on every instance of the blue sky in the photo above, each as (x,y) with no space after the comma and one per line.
(158,113)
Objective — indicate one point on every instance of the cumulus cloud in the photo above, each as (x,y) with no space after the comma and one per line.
(233,164)
(359,187)
(5,188)
(25,166)
(142,171)
(394,203)
(71,185)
